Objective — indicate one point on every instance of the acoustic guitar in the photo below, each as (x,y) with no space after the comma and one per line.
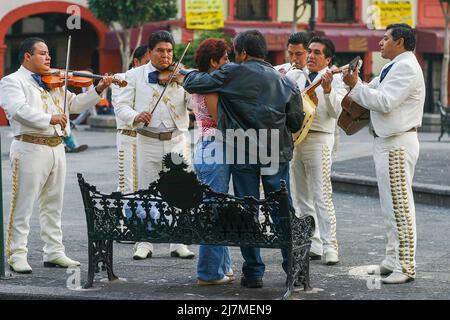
(310,100)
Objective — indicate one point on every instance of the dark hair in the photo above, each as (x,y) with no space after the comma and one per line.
(27,45)
(299,38)
(328,50)
(402,30)
(253,42)
(140,52)
(212,48)
(160,36)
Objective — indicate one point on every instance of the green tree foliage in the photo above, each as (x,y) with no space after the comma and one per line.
(124,15)
(188,60)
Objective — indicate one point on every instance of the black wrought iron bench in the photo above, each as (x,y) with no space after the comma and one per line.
(177,208)
(445,119)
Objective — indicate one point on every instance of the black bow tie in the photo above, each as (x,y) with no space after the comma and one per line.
(311,76)
(153,76)
(385,71)
(38,79)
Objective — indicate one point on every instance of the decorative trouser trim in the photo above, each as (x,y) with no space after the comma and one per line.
(327,194)
(121,171)
(15,187)
(134,169)
(400,201)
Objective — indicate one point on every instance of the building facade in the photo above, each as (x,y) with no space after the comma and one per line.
(343,21)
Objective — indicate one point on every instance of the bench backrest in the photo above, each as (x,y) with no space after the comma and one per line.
(177,208)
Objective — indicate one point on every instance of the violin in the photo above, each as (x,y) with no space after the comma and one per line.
(80,79)
(165,75)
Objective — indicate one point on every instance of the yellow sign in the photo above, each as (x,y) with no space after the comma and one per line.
(204,14)
(384,12)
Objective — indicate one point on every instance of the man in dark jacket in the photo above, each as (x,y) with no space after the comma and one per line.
(256,101)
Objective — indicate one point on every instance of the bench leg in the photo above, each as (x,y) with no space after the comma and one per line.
(290,275)
(109,261)
(91,266)
(100,252)
(302,270)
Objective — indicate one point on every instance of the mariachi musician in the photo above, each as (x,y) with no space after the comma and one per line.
(311,165)
(39,121)
(395,100)
(160,127)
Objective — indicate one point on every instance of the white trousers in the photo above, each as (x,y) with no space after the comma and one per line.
(150,155)
(395,161)
(127,159)
(38,171)
(312,191)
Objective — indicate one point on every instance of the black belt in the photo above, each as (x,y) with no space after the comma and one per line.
(163,136)
(377,136)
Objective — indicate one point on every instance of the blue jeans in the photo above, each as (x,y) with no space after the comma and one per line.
(209,164)
(246,181)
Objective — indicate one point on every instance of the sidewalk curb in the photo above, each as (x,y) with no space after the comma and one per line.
(423,193)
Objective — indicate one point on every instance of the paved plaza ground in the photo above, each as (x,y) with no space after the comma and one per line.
(359,231)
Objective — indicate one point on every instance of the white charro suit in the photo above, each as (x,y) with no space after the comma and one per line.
(38,171)
(170,115)
(126,148)
(311,165)
(396,110)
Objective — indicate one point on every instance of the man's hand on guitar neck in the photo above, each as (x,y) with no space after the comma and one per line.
(327,78)
(350,77)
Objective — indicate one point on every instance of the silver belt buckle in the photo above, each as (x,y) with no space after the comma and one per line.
(165,136)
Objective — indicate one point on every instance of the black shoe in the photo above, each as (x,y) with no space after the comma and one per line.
(80,148)
(313,256)
(252,283)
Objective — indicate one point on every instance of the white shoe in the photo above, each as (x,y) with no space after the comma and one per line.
(230,274)
(20,266)
(331,258)
(61,262)
(142,253)
(183,253)
(224,280)
(378,270)
(397,278)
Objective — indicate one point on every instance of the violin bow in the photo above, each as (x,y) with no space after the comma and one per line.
(171,77)
(69,41)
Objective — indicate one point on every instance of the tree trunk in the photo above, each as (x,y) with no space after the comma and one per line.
(445,64)
(446,56)
(295,18)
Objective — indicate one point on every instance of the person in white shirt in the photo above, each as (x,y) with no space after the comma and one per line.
(311,165)
(126,134)
(395,100)
(297,46)
(126,137)
(164,129)
(39,122)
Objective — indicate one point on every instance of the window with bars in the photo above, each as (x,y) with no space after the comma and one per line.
(339,11)
(252,10)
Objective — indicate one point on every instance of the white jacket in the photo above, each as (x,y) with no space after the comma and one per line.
(29,108)
(329,106)
(396,103)
(140,95)
(115,92)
